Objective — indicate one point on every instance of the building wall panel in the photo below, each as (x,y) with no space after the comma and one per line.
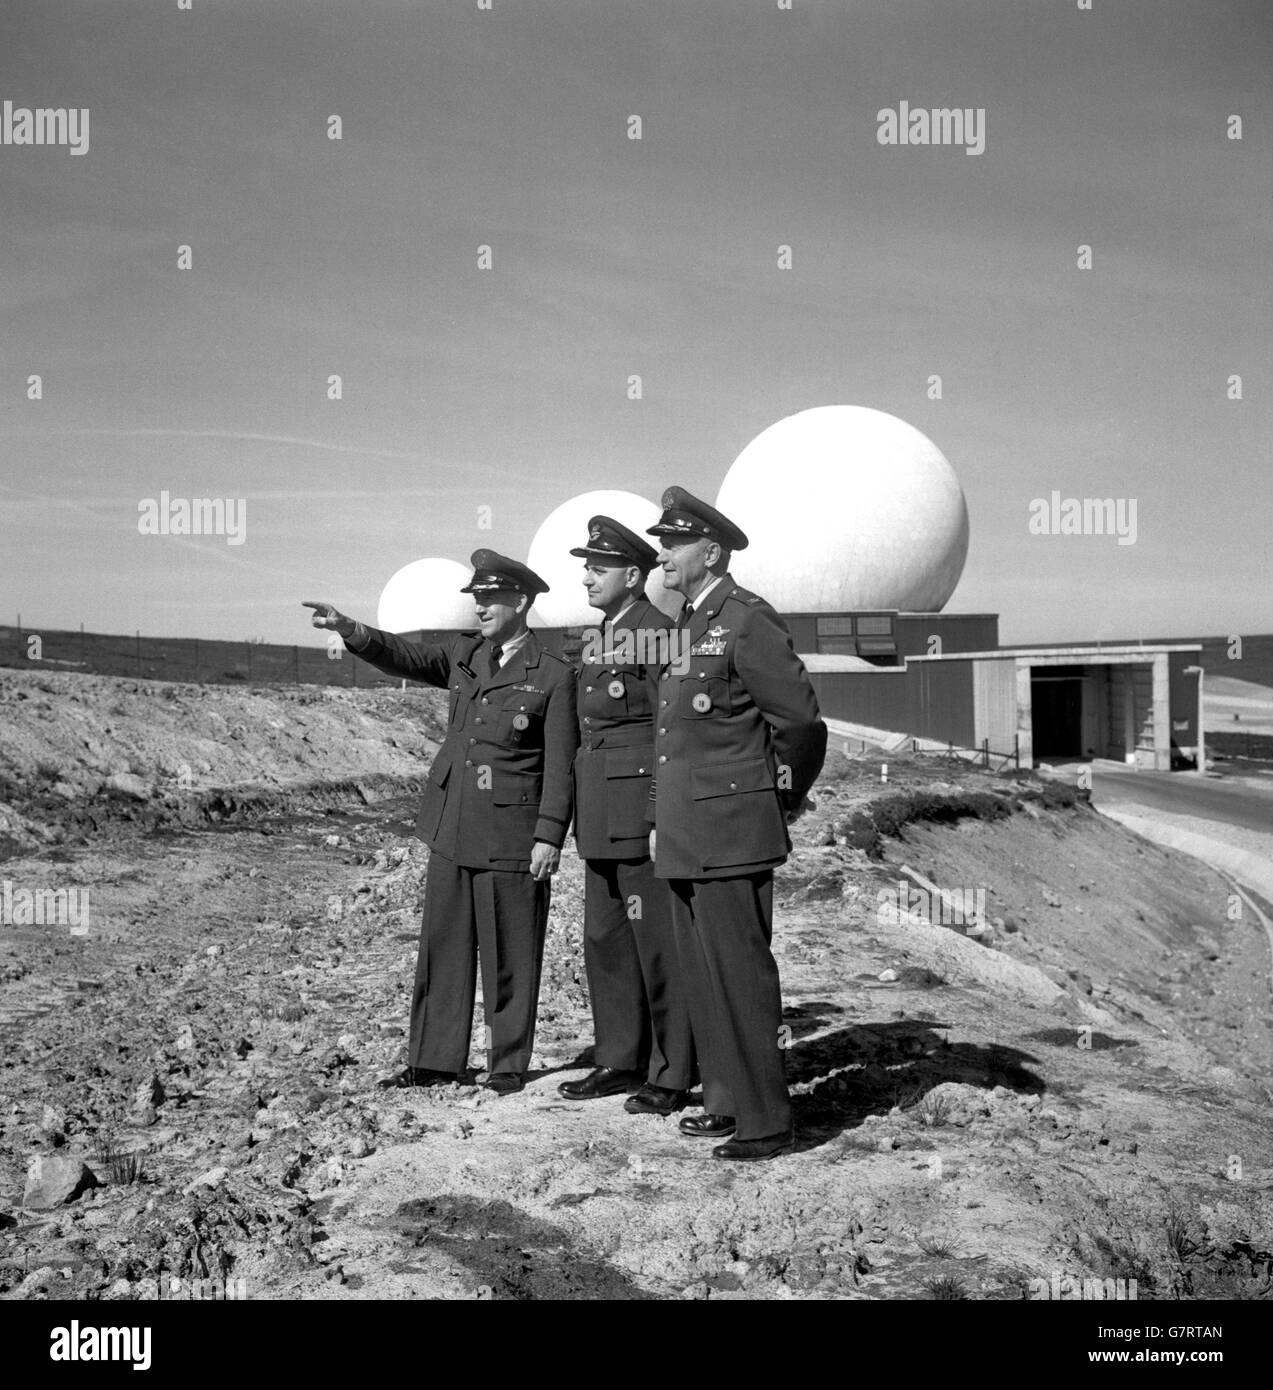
(995,703)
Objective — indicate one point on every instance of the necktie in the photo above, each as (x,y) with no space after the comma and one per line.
(496,653)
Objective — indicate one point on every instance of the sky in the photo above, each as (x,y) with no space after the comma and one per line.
(475,400)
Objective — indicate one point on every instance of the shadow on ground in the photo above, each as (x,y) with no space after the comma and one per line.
(514,1255)
(867,1069)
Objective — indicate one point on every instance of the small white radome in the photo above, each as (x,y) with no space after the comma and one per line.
(426,594)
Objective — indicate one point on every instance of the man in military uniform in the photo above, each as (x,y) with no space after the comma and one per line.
(494,814)
(738,742)
(640,1021)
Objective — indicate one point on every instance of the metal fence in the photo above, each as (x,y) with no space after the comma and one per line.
(182,659)
(989,758)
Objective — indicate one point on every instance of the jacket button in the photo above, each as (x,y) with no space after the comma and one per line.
(662,757)
(663,703)
(663,677)
(472,740)
(662,731)
(478,720)
(485,701)
(468,762)
(702,675)
(733,786)
(587,690)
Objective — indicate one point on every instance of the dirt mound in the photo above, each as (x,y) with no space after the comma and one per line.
(1057,1097)
(82,751)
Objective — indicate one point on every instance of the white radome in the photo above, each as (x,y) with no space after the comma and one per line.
(566,605)
(847,508)
(426,594)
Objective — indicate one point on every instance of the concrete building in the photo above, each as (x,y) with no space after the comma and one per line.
(943,678)
(932,679)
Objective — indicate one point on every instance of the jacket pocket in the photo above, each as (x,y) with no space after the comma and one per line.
(730,779)
(432,802)
(521,720)
(704,689)
(517,789)
(628,773)
(738,817)
(515,809)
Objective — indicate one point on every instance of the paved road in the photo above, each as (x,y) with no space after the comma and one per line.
(1247,801)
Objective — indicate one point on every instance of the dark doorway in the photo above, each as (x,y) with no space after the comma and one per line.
(1057,703)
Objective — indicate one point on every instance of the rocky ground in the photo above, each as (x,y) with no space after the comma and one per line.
(188,1091)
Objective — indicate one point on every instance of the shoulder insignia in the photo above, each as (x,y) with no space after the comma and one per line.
(745,595)
(561,660)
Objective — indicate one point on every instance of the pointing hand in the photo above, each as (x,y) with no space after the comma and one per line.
(328,617)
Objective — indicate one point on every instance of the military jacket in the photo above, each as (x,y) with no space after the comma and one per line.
(616,751)
(738,741)
(502,777)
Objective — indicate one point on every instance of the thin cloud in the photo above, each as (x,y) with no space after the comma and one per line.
(293,441)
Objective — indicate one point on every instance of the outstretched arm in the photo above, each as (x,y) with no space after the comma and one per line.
(383,650)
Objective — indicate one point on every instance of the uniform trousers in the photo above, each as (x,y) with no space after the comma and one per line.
(502,915)
(723,927)
(640,1018)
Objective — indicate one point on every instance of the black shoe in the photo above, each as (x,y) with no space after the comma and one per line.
(604,1081)
(749,1150)
(707,1126)
(654,1100)
(504,1083)
(417,1076)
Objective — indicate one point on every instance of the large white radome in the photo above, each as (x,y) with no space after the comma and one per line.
(426,594)
(567,527)
(847,508)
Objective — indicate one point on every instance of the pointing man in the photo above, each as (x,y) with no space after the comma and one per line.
(494,815)
(738,741)
(641,1024)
